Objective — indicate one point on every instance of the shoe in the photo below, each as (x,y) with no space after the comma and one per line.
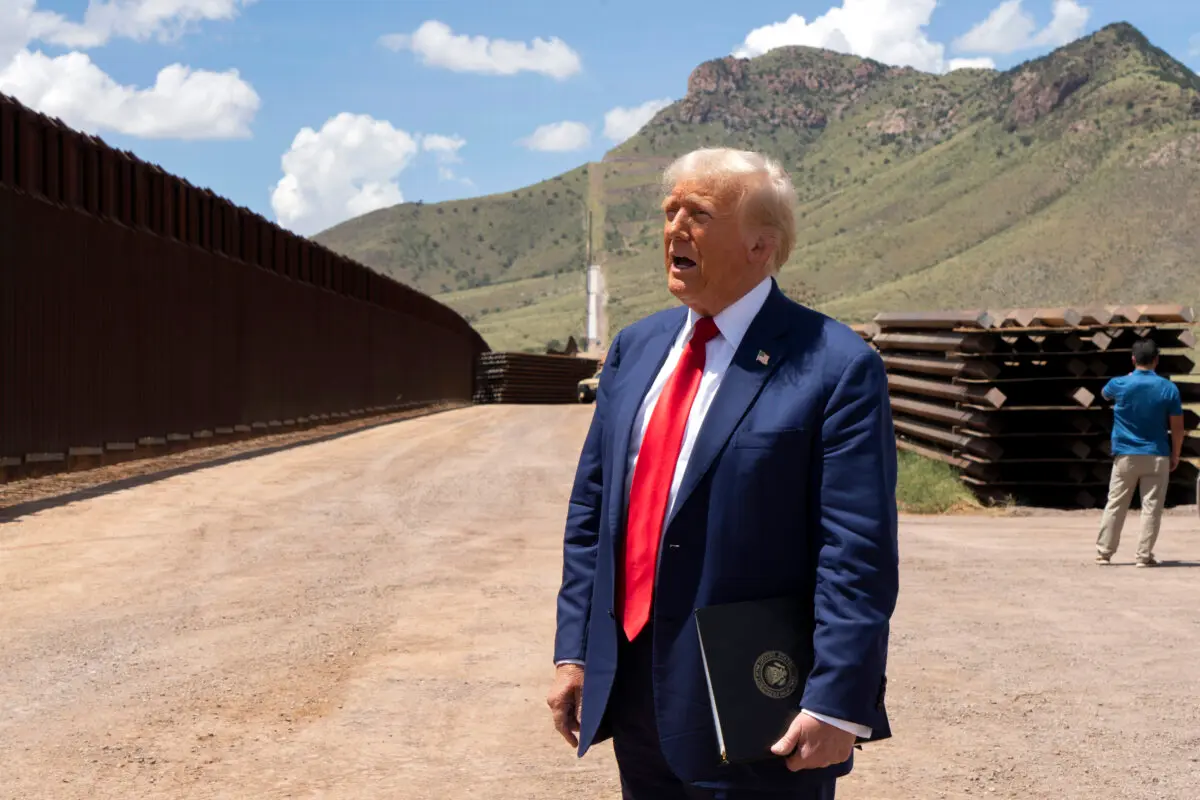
(1150,562)
(1103,559)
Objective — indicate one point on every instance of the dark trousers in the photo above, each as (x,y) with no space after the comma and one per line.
(644,772)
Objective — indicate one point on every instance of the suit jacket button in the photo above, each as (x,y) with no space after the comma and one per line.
(612,613)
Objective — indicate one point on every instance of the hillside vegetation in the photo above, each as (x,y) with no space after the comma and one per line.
(1072,178)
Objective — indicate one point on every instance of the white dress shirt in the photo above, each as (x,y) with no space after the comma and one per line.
(732,323)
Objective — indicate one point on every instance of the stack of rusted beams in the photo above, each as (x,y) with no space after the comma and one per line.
(1012,397)
(867,330)
(530,378)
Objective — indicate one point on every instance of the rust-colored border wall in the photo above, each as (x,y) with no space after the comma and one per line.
(135,306)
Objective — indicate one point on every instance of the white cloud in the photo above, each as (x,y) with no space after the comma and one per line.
(20,24)
(559,137)
(438,46)
(890,31)
(344,170)
(970,63)
(621,123)
(134,19)
(183,103)
(447,174)
(893,32)
(1009,28)
(446,147)
(1068,24)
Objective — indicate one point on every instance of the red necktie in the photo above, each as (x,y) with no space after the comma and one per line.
(653,475)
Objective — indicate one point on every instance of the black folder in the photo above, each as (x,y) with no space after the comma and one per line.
(757,656)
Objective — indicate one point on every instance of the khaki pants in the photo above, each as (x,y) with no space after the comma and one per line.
(1151,474)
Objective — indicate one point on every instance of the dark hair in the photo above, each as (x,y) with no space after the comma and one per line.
(1145,352)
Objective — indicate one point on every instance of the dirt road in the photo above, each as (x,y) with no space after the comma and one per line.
(372,617)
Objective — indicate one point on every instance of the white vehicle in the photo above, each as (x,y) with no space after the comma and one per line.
(586,390)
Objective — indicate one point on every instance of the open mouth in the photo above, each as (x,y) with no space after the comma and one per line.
(682,262)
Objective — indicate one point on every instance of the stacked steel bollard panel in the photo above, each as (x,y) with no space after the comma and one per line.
(1012,398)
(530,378)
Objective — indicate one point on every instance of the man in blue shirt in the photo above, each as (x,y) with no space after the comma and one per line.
(1145,404)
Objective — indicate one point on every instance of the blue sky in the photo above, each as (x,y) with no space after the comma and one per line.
(432,116)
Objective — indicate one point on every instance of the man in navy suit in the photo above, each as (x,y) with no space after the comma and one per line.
(741,448)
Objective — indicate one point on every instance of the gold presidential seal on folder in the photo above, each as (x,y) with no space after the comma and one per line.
(775,674)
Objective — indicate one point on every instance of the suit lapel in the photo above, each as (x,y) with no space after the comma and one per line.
(743,381)
(634,387)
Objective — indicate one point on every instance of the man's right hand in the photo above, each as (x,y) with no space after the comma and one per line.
(1174,463)
(566,701)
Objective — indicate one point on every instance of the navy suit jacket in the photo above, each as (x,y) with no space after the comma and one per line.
(790,489)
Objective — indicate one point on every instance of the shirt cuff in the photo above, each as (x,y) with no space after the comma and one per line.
(574,661)
(861,731)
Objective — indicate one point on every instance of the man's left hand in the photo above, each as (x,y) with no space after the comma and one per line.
(814,744)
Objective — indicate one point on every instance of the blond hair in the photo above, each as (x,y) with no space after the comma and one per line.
(766,194)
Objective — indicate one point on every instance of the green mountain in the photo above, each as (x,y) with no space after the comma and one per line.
(1072,178)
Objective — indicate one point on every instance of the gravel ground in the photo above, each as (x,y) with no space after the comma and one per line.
(371,616)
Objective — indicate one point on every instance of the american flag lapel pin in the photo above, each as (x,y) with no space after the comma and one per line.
(762,358)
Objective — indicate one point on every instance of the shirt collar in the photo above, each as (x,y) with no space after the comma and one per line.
(735,320)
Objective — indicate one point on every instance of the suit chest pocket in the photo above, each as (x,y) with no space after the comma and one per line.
(765,477)
(791,440)
(769,460)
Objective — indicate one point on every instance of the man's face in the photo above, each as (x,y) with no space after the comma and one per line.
(709,259)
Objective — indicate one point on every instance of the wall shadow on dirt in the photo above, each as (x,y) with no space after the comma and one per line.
(12,513)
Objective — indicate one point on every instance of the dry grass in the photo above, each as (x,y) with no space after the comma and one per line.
(925,486)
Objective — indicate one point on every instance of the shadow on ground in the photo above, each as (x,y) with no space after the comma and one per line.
(14,512)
